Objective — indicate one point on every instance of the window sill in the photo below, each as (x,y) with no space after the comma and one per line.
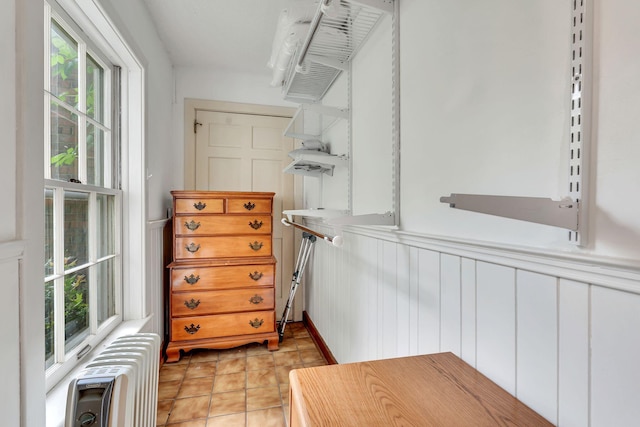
(57,396)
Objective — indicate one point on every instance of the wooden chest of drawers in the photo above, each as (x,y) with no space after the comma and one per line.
(223,271)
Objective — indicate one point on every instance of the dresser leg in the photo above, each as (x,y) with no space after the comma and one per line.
(173,355)
(272,344)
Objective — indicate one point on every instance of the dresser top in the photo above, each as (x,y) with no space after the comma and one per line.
(227,194)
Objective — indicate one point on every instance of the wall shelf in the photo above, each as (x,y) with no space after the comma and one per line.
(336,34)
(311,120)
(326,214)
(315,163)
(336,217)
(337,31)
(385,219)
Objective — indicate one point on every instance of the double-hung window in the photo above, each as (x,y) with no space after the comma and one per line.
(83,214)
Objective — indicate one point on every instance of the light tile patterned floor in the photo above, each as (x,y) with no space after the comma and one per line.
(246,386)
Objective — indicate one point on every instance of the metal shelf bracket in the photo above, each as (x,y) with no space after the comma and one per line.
(562,213)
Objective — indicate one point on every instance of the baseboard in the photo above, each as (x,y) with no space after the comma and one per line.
(317,338)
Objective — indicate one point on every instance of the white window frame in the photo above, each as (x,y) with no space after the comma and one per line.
(66,361)
(102,31)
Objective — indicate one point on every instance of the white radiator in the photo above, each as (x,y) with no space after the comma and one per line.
(119,388)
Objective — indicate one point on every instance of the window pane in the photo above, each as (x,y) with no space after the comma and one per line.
(49,323)
(64,65)
(106,224)
(76,308)
(95,156)
(95,89)
(82,225)
(48,232)
(64,143)
(106,285)
(76,228)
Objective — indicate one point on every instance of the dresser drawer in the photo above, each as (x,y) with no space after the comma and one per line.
(189,248)
(199,206)
(249,205)
(227,301)
(222,325)
(222,225)
(192,279)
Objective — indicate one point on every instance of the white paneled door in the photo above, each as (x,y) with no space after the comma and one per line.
(247,152)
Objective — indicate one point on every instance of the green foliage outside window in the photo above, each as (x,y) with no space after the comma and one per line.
(76,306)
(64,65)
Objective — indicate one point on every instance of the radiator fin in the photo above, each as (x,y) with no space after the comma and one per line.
(119,387)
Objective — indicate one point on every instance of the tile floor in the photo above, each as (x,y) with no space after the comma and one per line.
(246,386)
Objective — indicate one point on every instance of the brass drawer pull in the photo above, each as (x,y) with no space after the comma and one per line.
(192,329)
(255,224)
(192,280)
(199,205)
(192,247)
(256,275)
(256,246)
(256,323)
(191,305)
(193,226)
(256,299)
(249,206)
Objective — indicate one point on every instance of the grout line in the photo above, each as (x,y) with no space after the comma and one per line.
(295,348)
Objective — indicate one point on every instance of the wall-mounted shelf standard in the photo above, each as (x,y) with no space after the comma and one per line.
(311,120)
(315,163)
(563,213)
(337,31)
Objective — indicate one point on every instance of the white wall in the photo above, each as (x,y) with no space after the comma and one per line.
(616,223)
(21,241)
(8,123)
(221,85)
(161,151)
(485,109)
(9,259)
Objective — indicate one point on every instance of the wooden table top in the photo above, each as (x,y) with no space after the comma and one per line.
(430,390)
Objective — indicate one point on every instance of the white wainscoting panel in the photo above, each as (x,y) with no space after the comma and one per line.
(496,324)
(428,272)
(414,321)
(468,311)
(615,358)
(537,342)
(361,281)
(387,303)
(156,271)
(450,307)
(11,254)
(573,353)
(403,300)
(560,333)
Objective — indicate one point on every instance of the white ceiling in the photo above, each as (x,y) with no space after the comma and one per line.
(234,35)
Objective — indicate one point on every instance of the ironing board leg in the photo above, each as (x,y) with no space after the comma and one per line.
(303,255)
